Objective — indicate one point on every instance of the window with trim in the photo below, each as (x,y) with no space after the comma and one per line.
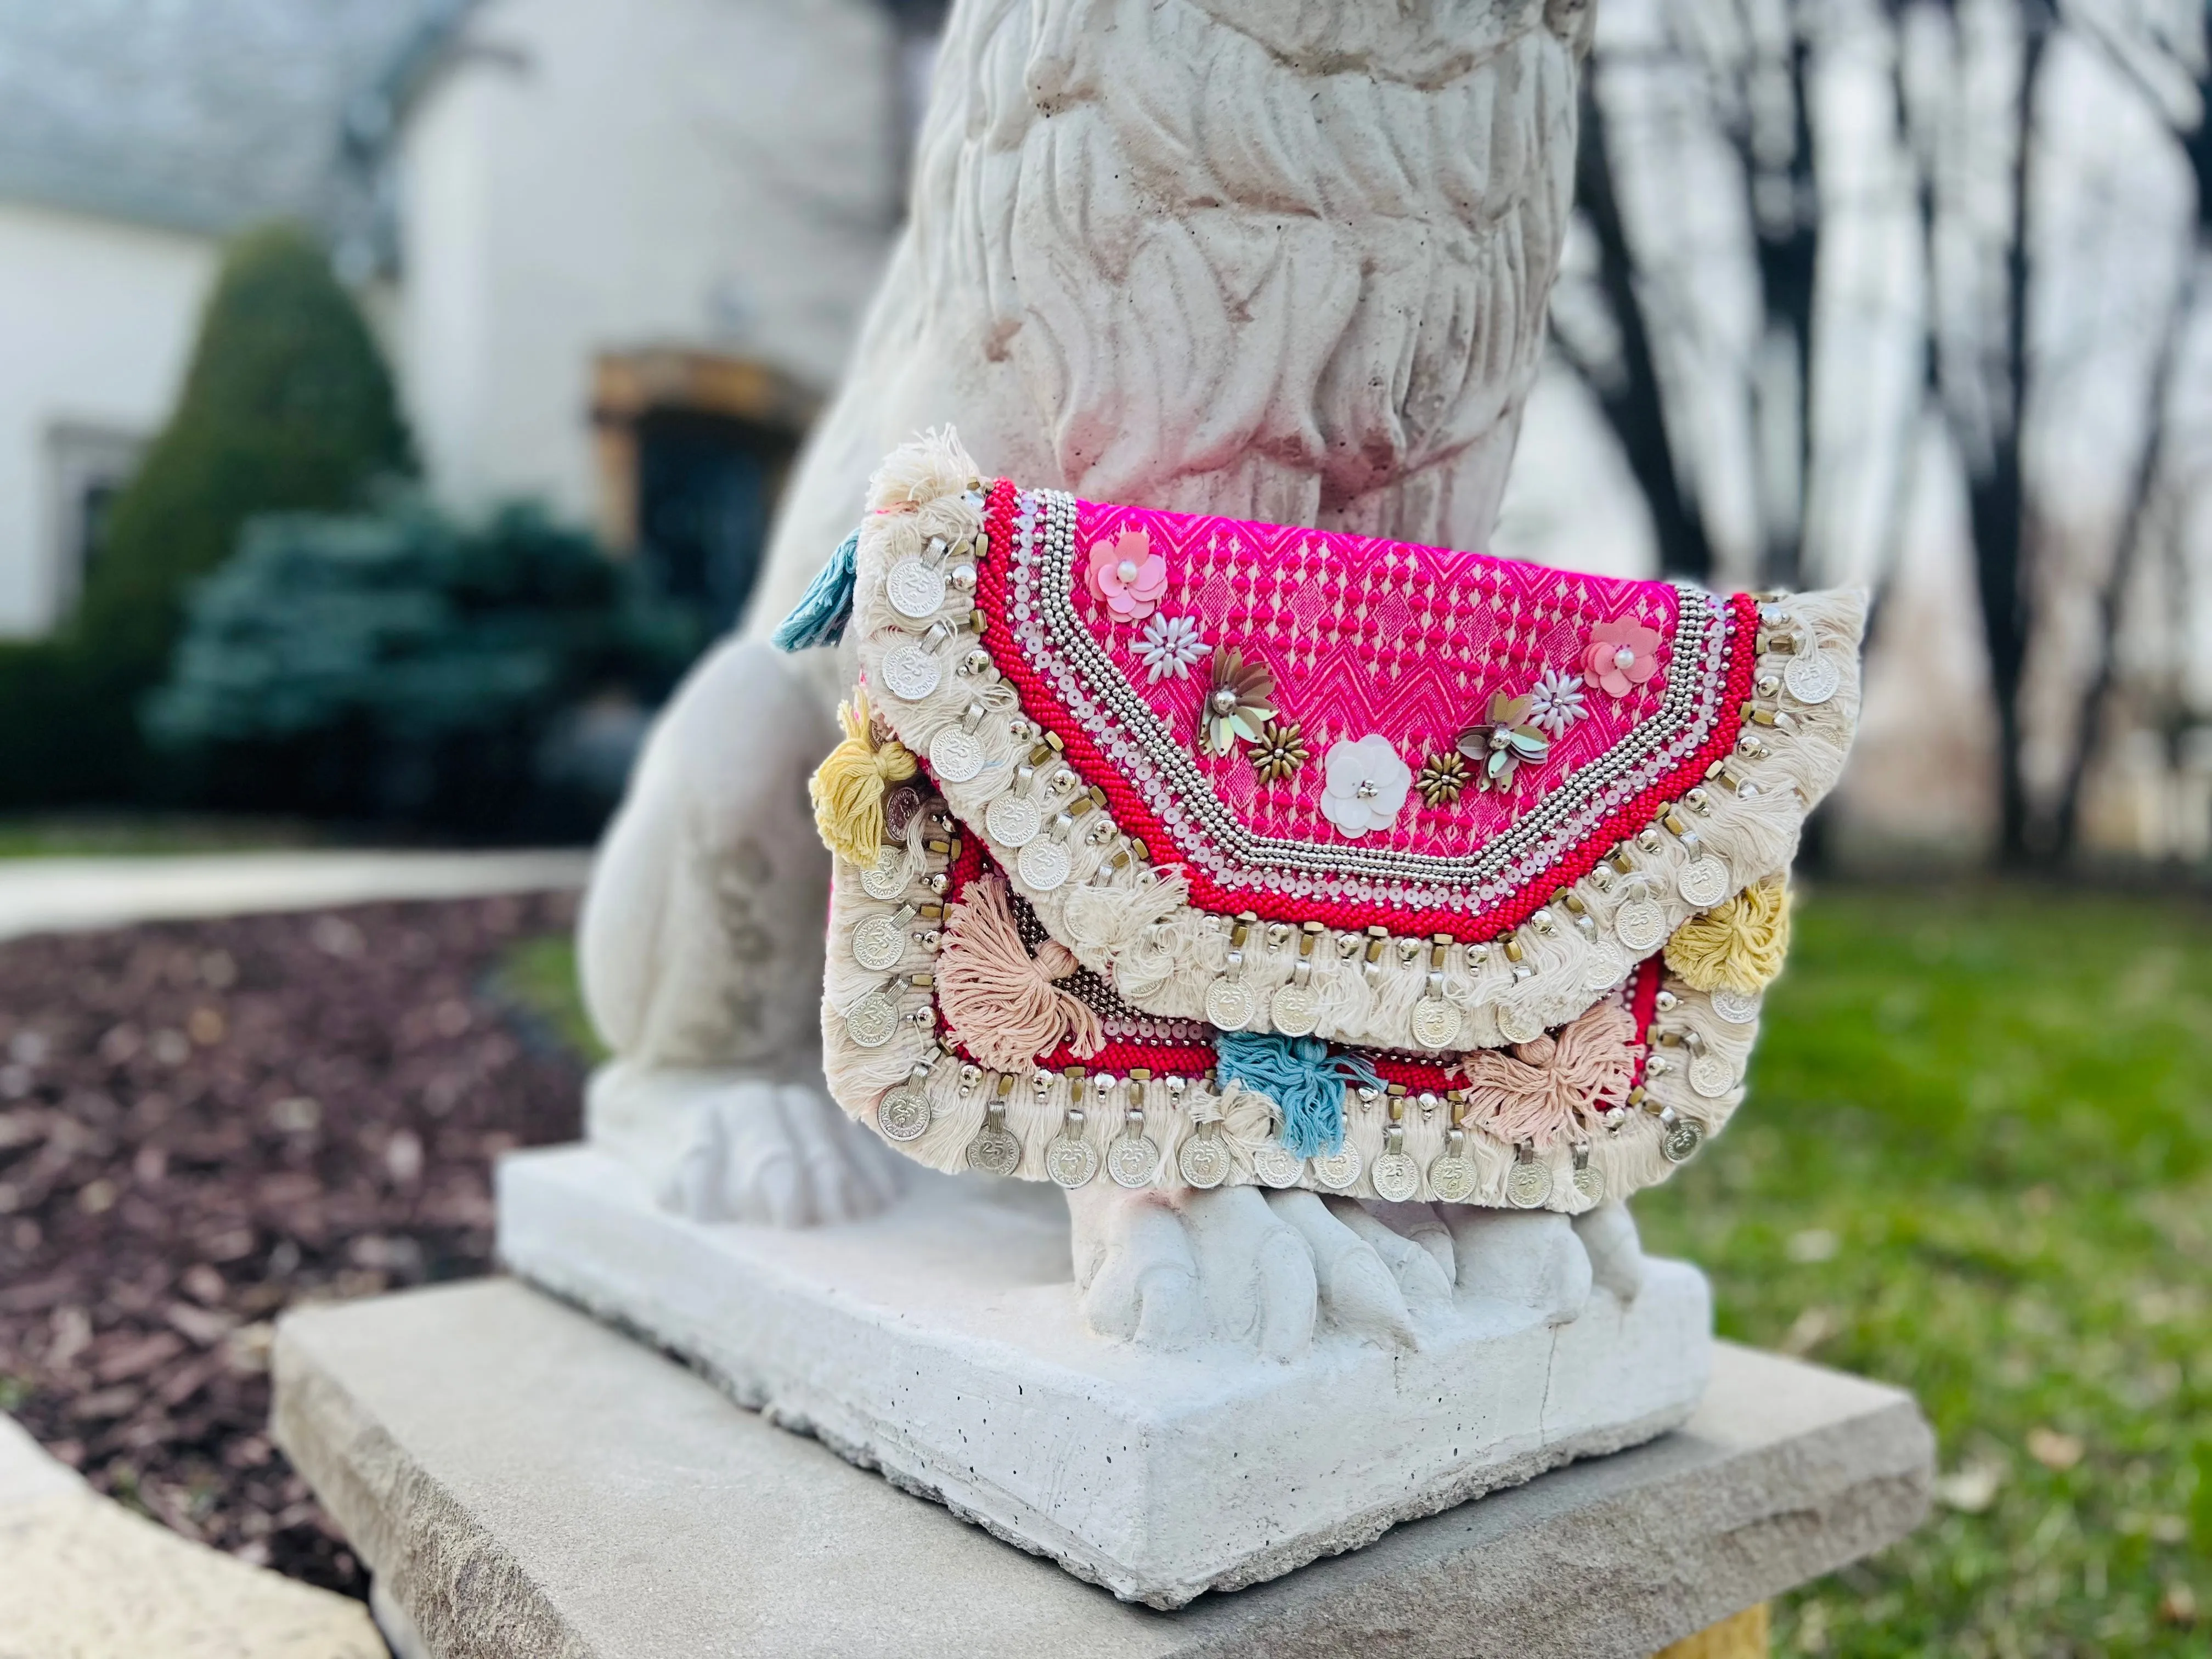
(87,468)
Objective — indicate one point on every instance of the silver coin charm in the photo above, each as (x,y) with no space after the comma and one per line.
(1528,1184)
(1133,1160)
(1042,865)
(1589,1182)
(1518,1024)
(1396,1177)
(911,673)
(1811,677)
(955,755)
(1203,1160)
(914,589)
(1277,1165)
(1681,1141)
(1070,1161)
(1711,1075)
(1704,883)
(1436,1022)
(904,1114)
(1733,1006)
(1640,925)
(1338,1170)
(886,878)
(1605,966)
(1228,1004)
(1012,821)
(1295,1011)
(879,943)
(1451,1179)
(871,1021)
(994,1151)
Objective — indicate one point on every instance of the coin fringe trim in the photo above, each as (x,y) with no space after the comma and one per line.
(961,1092)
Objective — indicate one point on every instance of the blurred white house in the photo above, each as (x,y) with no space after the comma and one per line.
(616,251)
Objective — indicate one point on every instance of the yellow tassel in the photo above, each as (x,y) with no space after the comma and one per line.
(1740,944)
(848,788)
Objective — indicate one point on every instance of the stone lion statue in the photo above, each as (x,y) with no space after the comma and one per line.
(1272,258)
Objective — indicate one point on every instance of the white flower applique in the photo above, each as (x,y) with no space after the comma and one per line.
(1555,702)
(1366,785)
(1169,647)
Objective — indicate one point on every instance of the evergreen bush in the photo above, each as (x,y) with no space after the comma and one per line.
(398,666)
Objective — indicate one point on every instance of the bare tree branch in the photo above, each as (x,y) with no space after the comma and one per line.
(2150,463)
(1627,390)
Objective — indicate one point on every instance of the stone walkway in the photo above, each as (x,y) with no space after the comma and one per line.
(72,895)
(86,1578)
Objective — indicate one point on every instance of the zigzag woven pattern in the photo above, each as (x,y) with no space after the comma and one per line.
(1369,636)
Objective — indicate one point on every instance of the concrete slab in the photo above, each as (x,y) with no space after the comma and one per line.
(87,1579)
(527,1482)
(74,895)
(940,1343)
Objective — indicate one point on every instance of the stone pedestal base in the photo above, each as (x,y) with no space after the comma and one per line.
(523,1480)
(940,1344)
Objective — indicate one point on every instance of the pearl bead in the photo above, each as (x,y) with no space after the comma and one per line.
(1127,570)
(1624,658)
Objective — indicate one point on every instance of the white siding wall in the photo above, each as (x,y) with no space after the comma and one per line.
(583,177)
(96,322)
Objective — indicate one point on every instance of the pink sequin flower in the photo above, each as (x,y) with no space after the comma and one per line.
(1621,656)
(1128,577)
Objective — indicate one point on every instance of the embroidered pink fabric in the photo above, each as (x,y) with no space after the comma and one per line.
(1371,637)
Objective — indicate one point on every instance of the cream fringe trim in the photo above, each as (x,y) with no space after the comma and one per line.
(1133,923)
(1628,1159)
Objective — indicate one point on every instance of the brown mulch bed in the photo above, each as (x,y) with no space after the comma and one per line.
(202,1124)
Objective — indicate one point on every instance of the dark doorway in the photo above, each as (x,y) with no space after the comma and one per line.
(706,487)
(693,449)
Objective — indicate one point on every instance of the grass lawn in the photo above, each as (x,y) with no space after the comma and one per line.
(146,835)
(1976,1161)
(540,976)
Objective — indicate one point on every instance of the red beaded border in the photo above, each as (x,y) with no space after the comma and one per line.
(1133,817)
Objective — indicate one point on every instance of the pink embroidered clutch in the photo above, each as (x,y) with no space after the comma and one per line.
(1197,851)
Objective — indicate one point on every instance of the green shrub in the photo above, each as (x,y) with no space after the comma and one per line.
(286,405)
(398,665)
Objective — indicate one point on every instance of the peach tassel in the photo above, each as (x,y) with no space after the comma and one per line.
(999,1002)
(1538,1093)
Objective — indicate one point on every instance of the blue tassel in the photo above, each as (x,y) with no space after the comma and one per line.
(1302,1077)
(820,615)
